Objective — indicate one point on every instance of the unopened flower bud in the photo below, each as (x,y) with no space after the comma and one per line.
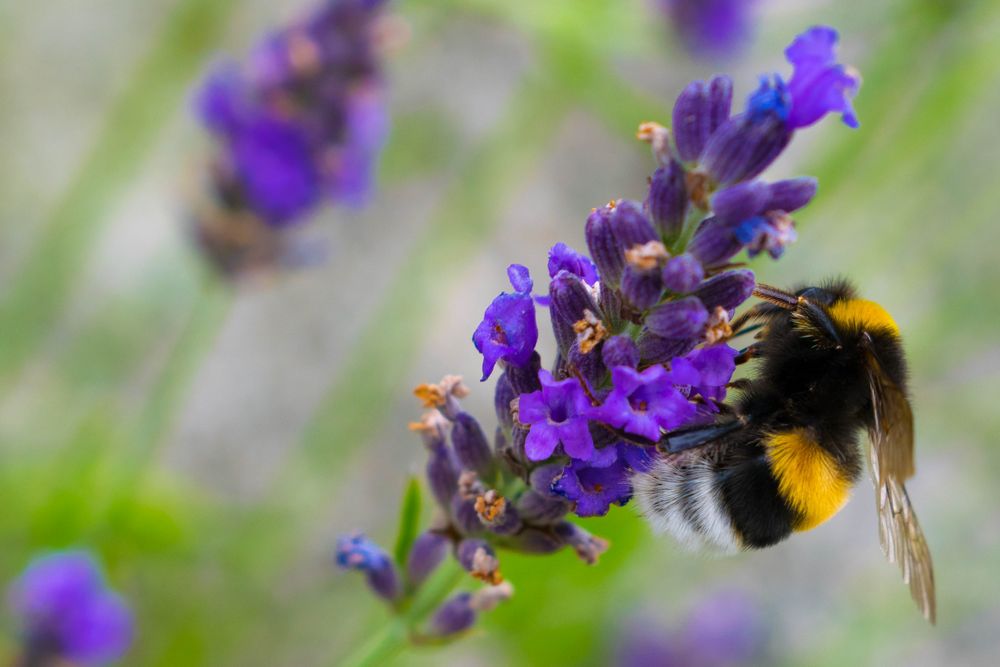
(700,109)
(682,274)
(453,617)
(357,552)
(471,446)
(524,379)
(426,554)
(542,509)
(728,289)
(681,319)
(588,547)
(620,351)
(667,200)
(745,146)
(714,242)
(570,301)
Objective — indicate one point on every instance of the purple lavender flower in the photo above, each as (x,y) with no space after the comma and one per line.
(508,330)
(303,121)
(644,402)
(67,611)
(819,84)
(357,552)
(557,415)
(713,29)
(594,489)
(564,258)
(714,366)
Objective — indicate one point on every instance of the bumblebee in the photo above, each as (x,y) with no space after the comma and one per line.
(784,455)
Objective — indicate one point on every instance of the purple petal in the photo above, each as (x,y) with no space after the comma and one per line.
(542,442)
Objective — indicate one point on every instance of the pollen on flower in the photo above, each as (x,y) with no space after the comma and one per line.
(436,395)
(647,256)
(718,328)
(490,506)
(590,331)
(431,421)
(486,567)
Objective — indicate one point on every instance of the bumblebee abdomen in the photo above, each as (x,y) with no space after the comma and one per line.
(809,478)
(682,497)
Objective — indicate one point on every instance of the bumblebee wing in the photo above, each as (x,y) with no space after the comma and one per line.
(891,462)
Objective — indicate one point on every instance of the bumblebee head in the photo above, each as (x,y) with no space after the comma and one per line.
(833,316)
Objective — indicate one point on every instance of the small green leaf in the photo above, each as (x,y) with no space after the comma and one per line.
(409,518)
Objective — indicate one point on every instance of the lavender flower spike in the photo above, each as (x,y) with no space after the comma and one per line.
(68,613)
(301,122)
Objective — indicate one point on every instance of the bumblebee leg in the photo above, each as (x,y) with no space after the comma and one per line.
(740,385)
(748,353)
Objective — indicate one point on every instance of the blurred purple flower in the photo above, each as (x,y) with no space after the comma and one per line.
(67,611)
(713,29)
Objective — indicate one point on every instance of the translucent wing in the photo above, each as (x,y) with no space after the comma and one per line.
(891,459)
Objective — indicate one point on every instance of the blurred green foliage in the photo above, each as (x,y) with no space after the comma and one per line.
(908,208)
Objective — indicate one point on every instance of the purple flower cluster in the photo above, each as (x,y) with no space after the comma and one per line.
(641,327)
(67,612)
(302,121)
(725,629)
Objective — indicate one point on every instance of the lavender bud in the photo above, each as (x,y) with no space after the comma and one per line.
(540,509)
(642,288)
(471,446)
(588,547)
(590,365)
(745,146)
(465,516)
(570,300)
(792,194)
(603,246)
(667,201)
(741,201)
(479,559)
(714,242)
(524,379)
(500,442)
(427,552)
(631,226)
(682,274)
(692,121)
(537,541)
(655,349)
(720,100)
(453,617)
(502,397)
(442,474)
(728,289)
(681,319)
(357,552)
(620,351)
(542,478)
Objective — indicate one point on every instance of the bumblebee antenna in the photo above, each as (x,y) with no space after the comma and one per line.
(776,296)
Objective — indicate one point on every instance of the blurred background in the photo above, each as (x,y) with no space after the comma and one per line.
(210,443)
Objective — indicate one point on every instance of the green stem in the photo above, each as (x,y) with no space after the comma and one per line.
(392,638)
(132,127)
